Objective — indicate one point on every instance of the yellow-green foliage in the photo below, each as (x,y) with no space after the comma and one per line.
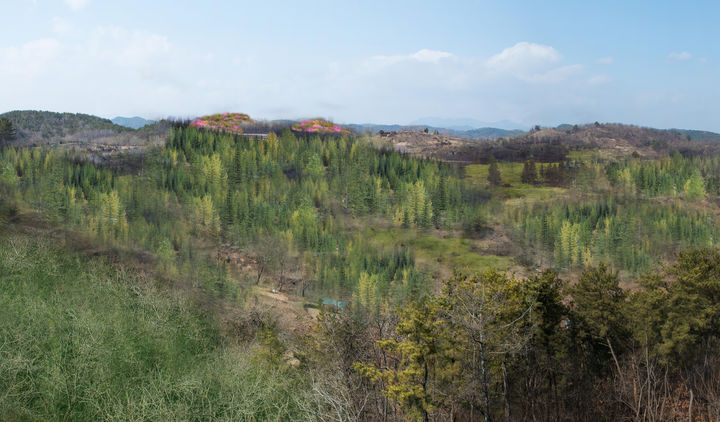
(446,338)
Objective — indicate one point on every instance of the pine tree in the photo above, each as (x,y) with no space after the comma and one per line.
(7,130)
(494,173)
(529,173)
(598,309)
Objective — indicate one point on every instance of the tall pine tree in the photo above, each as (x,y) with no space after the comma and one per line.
(493,172)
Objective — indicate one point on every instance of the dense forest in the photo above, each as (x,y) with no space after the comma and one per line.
(543,282)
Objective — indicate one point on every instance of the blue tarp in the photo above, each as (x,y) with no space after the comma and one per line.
(334,302)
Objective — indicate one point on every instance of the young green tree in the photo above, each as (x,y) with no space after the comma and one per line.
(421,352)
(695,187)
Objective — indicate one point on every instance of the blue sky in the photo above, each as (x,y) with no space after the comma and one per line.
(651,63)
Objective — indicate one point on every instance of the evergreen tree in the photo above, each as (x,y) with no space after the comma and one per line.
(493,172)
(529,173)
(598,314)
(7,130)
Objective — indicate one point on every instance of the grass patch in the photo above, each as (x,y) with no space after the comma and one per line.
(584,155)
(530,192)
(511,174)
(82,340)
(431,251)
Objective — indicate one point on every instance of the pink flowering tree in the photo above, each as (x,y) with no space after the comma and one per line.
(229,122)
(318,126)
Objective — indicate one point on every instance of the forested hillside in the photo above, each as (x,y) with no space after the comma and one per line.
(548,282)
(45,127)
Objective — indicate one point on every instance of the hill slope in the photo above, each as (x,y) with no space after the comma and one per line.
(553,144)
(81,334)
(44,127)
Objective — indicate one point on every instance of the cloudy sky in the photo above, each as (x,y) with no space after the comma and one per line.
(653,63)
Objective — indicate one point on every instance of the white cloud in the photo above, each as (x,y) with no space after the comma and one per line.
(30,58)
(118,70)
(422,56)
(598,79)
(431,56)
(684,55)
(520,82)
(522,57)
(61,26)
(77,4)
(554,75)
(605,60)
(105,69)
(129,48)
(533,63)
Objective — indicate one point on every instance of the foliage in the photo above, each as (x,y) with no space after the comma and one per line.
(631,235)
(331,216)
(501,348)
(212,186)
(449,345)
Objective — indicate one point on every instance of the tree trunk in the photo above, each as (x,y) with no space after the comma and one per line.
(505,391)
(612,352)
(690,406)
(426,417)
(486,392)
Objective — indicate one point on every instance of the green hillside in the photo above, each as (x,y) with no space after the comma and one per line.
(85,340)
(191,281)
(40,126)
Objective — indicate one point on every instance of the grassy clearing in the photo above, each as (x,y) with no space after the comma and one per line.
(432,251)
(585,155)
(511,174)
(83,340)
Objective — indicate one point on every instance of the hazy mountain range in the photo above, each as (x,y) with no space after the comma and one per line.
(132,122)
(466,124)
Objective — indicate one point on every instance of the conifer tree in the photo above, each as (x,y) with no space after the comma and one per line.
(7,130)
(493,172)
(529,173)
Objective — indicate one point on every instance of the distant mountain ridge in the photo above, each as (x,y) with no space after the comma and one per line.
(132,122)
(699,135)
(39,125)
(467,124)
(47,127)
(476,133)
